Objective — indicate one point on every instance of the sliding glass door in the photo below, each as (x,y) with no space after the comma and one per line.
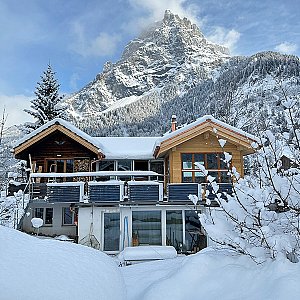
(111,231)
(146,228)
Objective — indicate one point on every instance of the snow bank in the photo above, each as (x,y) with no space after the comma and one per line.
(147,253)
(32,268)
(213,275)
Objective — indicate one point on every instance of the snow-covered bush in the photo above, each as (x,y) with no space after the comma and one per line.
(12,208)
(262,216)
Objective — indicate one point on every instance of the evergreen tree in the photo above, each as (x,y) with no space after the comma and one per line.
(45,106)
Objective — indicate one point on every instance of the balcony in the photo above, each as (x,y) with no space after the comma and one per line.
(88,187)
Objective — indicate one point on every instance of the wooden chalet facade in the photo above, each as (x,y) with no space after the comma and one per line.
(110,192)
(57,149)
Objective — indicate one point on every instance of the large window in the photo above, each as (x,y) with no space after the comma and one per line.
(174,229)
(105,165)
(60,165)
(141,165)
(111,231)
(213,163)
(146,228)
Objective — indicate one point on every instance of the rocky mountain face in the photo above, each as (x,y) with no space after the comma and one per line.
(172,69)
(172,52)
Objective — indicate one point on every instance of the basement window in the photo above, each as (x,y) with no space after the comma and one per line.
(46,214)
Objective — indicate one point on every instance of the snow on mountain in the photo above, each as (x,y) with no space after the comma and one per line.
(171,52)
(245,92)
(172,69)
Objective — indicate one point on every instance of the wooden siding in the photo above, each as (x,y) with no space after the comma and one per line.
(207,127)
(56,145)
(202,144)
(54,128)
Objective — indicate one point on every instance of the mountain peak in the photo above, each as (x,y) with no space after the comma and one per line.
(172,52)
(170,17)
(173,19)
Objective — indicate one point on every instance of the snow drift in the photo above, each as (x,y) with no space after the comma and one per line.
(214,275)
(33,268)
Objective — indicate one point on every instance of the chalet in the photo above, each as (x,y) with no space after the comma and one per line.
(113,192)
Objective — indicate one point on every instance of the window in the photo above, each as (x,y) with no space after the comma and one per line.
(158,167)
(105,165)
(39,213)
(187,161)
(49,216)
(60,166)
(146,228)
(46,214)
(68,216)
(124,165)
(111,231)
(213,163)
(141,165)
(174,229)
(195,240)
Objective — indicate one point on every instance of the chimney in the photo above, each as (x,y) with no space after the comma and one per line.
(173,123)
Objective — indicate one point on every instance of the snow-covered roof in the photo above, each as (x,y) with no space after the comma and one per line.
(200,121)
(61,122)
(130,147)
(127,147)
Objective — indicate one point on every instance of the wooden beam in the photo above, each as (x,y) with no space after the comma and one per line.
(50,130)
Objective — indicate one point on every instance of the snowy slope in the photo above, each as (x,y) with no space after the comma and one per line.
(245,92)
(31,268)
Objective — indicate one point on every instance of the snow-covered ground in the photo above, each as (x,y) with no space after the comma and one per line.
(32,268)
(213,275)
(45,269)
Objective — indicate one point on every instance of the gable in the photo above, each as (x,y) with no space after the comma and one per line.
(209,129)
(38,136)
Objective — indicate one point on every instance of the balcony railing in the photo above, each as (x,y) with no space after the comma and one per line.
(93,190)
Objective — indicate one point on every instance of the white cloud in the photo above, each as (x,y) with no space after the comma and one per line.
(153,10)
(14,106)
(102,45)
(224,37)
(73,81)
(287,48)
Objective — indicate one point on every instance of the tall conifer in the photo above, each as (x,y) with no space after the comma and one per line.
(46,105)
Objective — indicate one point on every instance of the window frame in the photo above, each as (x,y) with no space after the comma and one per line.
(44,215)
(135,229)
(72,211)
(55,160)
(117,236)
(193,170)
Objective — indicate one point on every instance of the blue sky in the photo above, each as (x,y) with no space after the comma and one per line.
(77,37)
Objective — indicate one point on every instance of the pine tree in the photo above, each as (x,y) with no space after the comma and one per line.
(45,106)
